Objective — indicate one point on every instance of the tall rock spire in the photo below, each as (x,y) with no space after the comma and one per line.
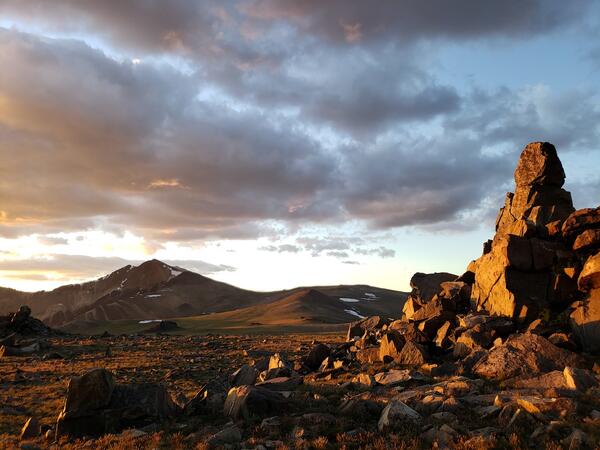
(517,276)
(538,197)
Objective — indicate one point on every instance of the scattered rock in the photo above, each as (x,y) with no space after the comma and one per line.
(244,402)
(393,377)
(228,435)
(579,379)
(31,429)
(245,375)
(412,354)
(524,355)
(397,413)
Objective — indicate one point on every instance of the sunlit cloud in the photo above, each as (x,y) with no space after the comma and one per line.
(288,132)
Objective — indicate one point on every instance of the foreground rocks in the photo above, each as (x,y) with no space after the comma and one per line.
(96,405)
(23,335)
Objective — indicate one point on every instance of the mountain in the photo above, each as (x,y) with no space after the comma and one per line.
(155,290)
(304,306)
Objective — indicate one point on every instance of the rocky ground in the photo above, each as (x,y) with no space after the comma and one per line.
(290,392)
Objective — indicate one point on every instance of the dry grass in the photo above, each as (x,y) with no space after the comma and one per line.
(33,387)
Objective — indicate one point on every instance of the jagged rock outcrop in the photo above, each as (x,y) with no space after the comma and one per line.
(522,274)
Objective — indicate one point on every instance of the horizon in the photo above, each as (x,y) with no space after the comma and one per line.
(273,145)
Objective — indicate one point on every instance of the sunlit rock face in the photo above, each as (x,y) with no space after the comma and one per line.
(521,273)
(538,197)
(543,259)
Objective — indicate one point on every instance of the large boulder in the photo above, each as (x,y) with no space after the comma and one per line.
(539,165)
(210,398)
(245,375)
(244,402)
(316,356)
(538,196)
(587,241)
(524,355)
(409,331)
(390,346)
(590,275)
(396,414)
(505,291)
(412,354)
(426,285)
(368,324)
(96,405)
(585,322)
(581,220)
(93,390)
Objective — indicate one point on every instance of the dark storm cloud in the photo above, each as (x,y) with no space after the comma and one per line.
(212,27)
(341,20)
(299,112)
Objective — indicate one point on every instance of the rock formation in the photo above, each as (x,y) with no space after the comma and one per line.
(96,405)
(522,275)
(543,257)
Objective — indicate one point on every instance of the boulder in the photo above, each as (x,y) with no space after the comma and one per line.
(396,414)
(410,307)
(209,399)
(368,355)
(442,337)
(541,205)
(391,345)
(31,429)
(95,405)
(588,240)
(316,356)
(550,380)
(426,285)
(88,392)
(244,402)
(281,384)
(508,292)
(585,322)
(409,331)
(439,309)
(589,278)
(229,435)
(358,329)
(580,379)
(393,377)
(539,165)
(524,355)
(412,354)
(579,221)
(245,375)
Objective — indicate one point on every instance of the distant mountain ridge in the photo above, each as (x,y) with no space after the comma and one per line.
(156,290)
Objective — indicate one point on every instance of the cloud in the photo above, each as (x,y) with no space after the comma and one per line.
(410,20)
(69,267)
(200,121)
(382,252)
(281,248)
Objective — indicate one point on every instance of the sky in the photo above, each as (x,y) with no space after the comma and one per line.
(278,143)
